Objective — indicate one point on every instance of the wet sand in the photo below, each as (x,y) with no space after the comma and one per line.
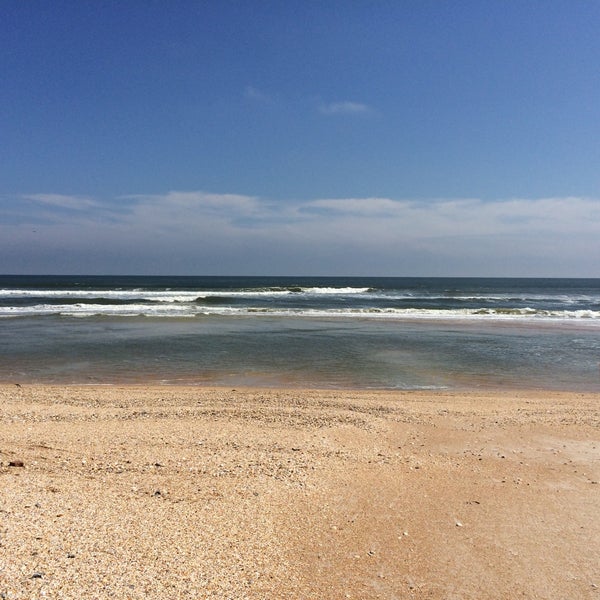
(169,492)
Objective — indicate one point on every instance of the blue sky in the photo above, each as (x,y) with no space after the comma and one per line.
(383,138)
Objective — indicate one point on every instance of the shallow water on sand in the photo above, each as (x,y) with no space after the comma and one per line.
(301,352)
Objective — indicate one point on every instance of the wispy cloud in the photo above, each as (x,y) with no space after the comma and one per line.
(469,216)
(255,95)
(201,232)
(63,201)
(344,108)
(176,202)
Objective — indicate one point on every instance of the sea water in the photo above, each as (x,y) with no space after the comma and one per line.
(406,333)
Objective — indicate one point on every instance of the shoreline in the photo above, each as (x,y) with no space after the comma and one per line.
(248,383)
(170,491)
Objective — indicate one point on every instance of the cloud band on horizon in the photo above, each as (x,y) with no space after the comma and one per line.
(200,232)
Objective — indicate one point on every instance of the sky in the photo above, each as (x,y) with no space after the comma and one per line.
(401,138)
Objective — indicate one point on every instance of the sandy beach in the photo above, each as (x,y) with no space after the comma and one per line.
(171,492)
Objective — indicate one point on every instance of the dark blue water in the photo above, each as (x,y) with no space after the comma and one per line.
(341,332)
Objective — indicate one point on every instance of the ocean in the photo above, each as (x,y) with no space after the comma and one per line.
(340,332)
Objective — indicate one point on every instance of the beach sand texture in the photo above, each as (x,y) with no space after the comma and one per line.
(169,492)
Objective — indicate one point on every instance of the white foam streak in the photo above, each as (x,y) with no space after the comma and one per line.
(165,296)
(175,296)
(339,291)
(171,310)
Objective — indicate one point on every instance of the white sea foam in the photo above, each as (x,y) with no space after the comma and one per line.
(90,310)
(169,295)
(179,296)
(174,296)
(333,290)
(423,313)
(165,310)
(312,300)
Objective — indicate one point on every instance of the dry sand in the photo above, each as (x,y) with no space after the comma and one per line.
(166,492)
